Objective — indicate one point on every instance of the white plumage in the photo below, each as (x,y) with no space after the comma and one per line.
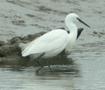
(48,43)
(55,41)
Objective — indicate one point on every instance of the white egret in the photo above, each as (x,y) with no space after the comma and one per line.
(54,42)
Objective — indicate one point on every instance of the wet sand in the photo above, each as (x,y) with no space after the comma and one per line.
(24,17)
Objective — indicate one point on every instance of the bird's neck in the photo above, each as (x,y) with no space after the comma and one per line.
(72,35)
(73,30)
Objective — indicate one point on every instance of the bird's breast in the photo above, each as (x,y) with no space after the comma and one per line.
(72,41)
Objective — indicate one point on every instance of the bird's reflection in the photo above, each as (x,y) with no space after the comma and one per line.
(58,65)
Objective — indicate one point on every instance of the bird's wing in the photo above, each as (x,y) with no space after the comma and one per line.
(50,41)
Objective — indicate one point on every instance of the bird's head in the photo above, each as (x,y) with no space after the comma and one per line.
(72,17)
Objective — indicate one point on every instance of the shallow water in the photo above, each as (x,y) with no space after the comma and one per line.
(91,75)
(28,80)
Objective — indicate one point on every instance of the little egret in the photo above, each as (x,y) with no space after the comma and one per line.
(54,42)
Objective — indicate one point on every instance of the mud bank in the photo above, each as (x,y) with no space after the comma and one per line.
(10,53)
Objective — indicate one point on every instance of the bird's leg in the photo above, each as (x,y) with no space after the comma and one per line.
(37,71)
(37,60)
(49,65)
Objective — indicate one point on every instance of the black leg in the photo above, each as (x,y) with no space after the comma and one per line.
(49,67)
(37,71)
(37,60)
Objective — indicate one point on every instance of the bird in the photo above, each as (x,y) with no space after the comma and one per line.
(55,41)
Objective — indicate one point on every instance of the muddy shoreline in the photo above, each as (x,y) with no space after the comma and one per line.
(10,53)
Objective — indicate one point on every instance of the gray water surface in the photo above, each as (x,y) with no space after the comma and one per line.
(28,80)
(91,75)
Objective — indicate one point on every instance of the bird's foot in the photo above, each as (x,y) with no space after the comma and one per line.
(50,68)
(38,70)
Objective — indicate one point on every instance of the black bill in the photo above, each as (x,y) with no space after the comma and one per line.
(83,22)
